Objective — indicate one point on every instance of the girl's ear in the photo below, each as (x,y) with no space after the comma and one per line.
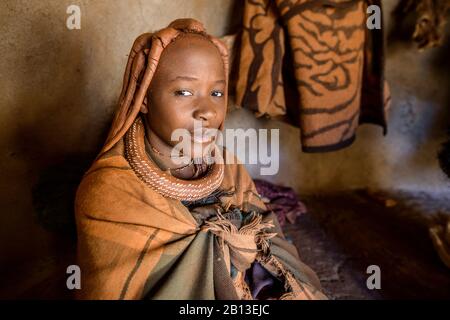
(144,108)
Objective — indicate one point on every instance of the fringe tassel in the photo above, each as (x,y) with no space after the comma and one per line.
(241,245)
(242,289)
(254,227)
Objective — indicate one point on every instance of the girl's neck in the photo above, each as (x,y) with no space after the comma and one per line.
(160,152)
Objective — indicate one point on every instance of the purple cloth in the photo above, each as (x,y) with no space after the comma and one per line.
(283,201)
(263,285)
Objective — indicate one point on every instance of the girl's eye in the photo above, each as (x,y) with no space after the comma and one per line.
(184,93)
(217,94)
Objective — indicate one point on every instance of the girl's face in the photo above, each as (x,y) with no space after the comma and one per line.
(188,88)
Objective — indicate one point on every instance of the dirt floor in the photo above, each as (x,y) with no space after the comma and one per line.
(342,234)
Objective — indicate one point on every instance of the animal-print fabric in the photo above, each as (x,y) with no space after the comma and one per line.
(307,60)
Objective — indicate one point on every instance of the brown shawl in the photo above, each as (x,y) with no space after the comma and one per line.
(133,243)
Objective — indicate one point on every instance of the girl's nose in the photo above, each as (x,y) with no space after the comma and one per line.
(205,112)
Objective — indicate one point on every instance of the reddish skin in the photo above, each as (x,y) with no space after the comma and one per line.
(188,85)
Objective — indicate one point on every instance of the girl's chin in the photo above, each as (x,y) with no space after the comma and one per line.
(199,150)
(193,149)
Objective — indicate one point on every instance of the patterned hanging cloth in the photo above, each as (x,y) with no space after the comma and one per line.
(315,64)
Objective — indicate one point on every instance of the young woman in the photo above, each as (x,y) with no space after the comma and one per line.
(150,227)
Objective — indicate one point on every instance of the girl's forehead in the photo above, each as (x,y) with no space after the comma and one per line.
(192,44)
(190,54)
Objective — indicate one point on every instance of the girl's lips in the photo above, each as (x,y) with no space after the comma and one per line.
(202,139)
(203,136)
